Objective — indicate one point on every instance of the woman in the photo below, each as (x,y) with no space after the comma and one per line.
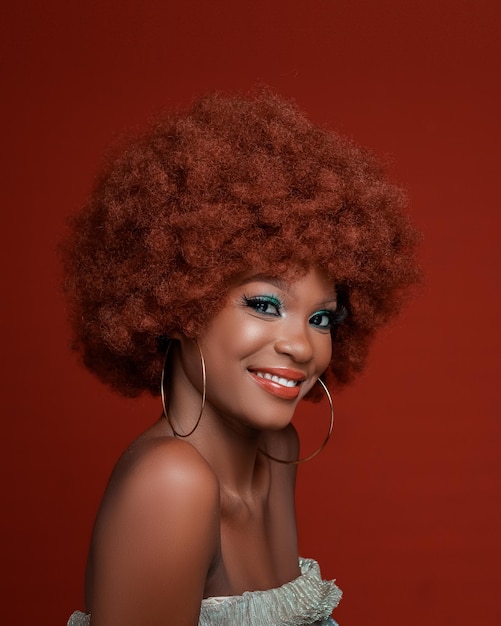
(233,259)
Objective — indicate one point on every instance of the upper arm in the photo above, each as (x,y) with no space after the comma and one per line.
(154,541)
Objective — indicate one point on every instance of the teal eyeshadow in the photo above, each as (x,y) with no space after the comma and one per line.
(274,300)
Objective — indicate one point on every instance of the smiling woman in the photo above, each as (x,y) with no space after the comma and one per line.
(230,258)
(266,348)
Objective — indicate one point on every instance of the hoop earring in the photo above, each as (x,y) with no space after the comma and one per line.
(204,391)
(324,443)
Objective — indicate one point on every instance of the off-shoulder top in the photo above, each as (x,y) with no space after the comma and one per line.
(305,601)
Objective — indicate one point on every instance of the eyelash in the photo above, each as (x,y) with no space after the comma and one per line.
(261,303)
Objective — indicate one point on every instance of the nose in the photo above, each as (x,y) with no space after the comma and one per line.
(295,342)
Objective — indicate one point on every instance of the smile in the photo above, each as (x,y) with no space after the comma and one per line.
(286,382)
(280,382)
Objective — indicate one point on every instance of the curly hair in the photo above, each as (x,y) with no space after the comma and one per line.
(234,182)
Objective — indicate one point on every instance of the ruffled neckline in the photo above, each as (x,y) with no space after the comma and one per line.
(304,600)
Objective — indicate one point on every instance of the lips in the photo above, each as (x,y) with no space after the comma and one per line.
(280,382)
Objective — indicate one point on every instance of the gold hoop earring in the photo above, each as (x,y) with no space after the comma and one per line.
(204,391)
(310,456)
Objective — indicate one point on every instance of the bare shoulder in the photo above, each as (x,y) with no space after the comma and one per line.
(163,477)
(163,463)
(155,537)
(161,474)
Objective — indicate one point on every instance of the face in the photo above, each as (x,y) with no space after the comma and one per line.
(265,349)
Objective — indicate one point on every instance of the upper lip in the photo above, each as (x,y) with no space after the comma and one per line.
(282,372)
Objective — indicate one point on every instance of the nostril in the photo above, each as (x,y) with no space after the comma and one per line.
(297,348)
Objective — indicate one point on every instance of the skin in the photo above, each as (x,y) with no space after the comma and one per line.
(209,515)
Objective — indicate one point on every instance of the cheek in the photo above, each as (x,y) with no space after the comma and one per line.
(242,336)
(229,341)
(254,334)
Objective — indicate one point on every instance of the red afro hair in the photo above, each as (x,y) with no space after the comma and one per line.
(233,183)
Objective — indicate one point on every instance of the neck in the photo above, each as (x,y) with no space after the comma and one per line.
(230,448)
(234,455)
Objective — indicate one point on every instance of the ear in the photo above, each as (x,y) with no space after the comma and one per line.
(164,341)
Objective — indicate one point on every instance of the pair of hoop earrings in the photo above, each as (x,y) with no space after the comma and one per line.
(204,395)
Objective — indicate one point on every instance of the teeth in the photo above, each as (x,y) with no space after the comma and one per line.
(285,382)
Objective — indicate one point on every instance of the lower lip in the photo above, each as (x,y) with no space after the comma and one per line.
(288,393)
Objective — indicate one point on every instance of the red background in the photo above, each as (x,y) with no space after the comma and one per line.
(403,507)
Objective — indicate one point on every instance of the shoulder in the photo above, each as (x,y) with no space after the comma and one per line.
(164,462)
(159,521)
(165,477)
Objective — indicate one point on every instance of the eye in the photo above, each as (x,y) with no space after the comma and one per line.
(322,319)
(267,305)
(327,320)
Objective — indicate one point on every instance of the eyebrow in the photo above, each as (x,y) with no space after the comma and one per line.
(267,278)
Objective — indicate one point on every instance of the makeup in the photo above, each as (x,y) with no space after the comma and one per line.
(281,382)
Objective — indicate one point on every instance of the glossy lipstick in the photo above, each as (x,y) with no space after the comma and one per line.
(279,388)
